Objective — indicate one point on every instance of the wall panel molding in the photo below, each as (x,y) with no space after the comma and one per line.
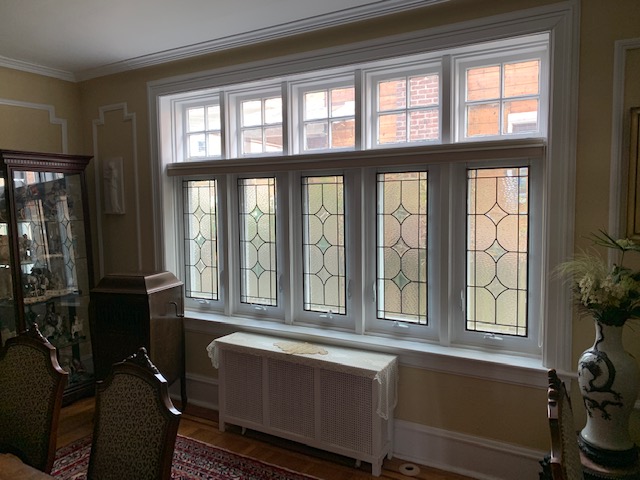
(53,118)
(98,169)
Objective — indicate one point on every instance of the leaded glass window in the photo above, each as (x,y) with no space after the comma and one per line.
(497,250)
(257,212)
(200,242)
(324,244)
(402,247)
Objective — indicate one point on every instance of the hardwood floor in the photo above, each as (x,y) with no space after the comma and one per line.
(76,421)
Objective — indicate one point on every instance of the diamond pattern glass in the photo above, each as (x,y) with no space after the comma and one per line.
(200,242)
(497,250)
(324,269)
(257,219)
(402,247)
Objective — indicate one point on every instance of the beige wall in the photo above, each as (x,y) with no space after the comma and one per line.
(114,115)
(34,111)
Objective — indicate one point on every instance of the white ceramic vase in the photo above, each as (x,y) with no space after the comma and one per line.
(609,379)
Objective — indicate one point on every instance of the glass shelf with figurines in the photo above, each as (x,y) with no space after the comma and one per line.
(46,271)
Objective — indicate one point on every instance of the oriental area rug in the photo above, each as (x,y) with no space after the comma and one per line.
(192,459)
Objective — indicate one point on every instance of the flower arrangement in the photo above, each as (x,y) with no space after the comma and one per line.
(611,294)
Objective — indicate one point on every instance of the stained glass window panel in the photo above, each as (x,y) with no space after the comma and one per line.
(402,247)
(497,250)
(200,242)
(324,270)
(258,273)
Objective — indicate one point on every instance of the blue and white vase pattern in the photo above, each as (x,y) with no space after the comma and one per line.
(609,379)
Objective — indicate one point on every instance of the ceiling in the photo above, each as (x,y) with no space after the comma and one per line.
(82,39)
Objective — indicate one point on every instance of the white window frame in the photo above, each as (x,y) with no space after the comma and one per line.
(223,227)
(234,99)
(282,247)
(297,89)
(352,215)
(183,118)
(559,181)
(420,67)
(458,333)
(437,219)
(500,56)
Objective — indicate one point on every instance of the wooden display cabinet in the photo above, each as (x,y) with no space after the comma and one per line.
(46,271)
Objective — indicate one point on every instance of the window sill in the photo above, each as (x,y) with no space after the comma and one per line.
(499,367)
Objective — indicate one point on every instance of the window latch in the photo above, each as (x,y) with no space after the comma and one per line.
(327,315)
(492,336)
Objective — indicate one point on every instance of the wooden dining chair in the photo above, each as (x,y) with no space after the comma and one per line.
(135,424)
(565,460)
(31,388)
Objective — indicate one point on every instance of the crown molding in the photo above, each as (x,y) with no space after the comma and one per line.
(37,69)
(319,22)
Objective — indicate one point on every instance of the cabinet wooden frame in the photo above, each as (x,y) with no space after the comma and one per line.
(47,258)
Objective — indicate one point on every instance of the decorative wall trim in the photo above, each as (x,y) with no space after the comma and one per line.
(460,453)
(98,169)
(342,17)
(202,391)
(53,119)
(468,455)
(334,19)
(37,69)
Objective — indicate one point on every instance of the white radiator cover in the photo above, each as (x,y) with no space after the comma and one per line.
(341,401)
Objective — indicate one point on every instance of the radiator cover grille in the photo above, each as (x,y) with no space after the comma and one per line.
(324,404)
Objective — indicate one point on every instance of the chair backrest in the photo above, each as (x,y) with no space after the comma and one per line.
(135,424)
(565,454)
(31,388)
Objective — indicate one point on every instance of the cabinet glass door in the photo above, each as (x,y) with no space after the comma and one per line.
(50,229)
(7,304)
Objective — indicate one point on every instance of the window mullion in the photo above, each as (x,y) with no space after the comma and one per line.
(287,146)
(360,109)
(447,101)
(224,126)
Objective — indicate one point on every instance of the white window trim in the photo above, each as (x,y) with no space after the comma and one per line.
(425,67)
(462,63)
(562,20)
(233,100)
(296,91)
